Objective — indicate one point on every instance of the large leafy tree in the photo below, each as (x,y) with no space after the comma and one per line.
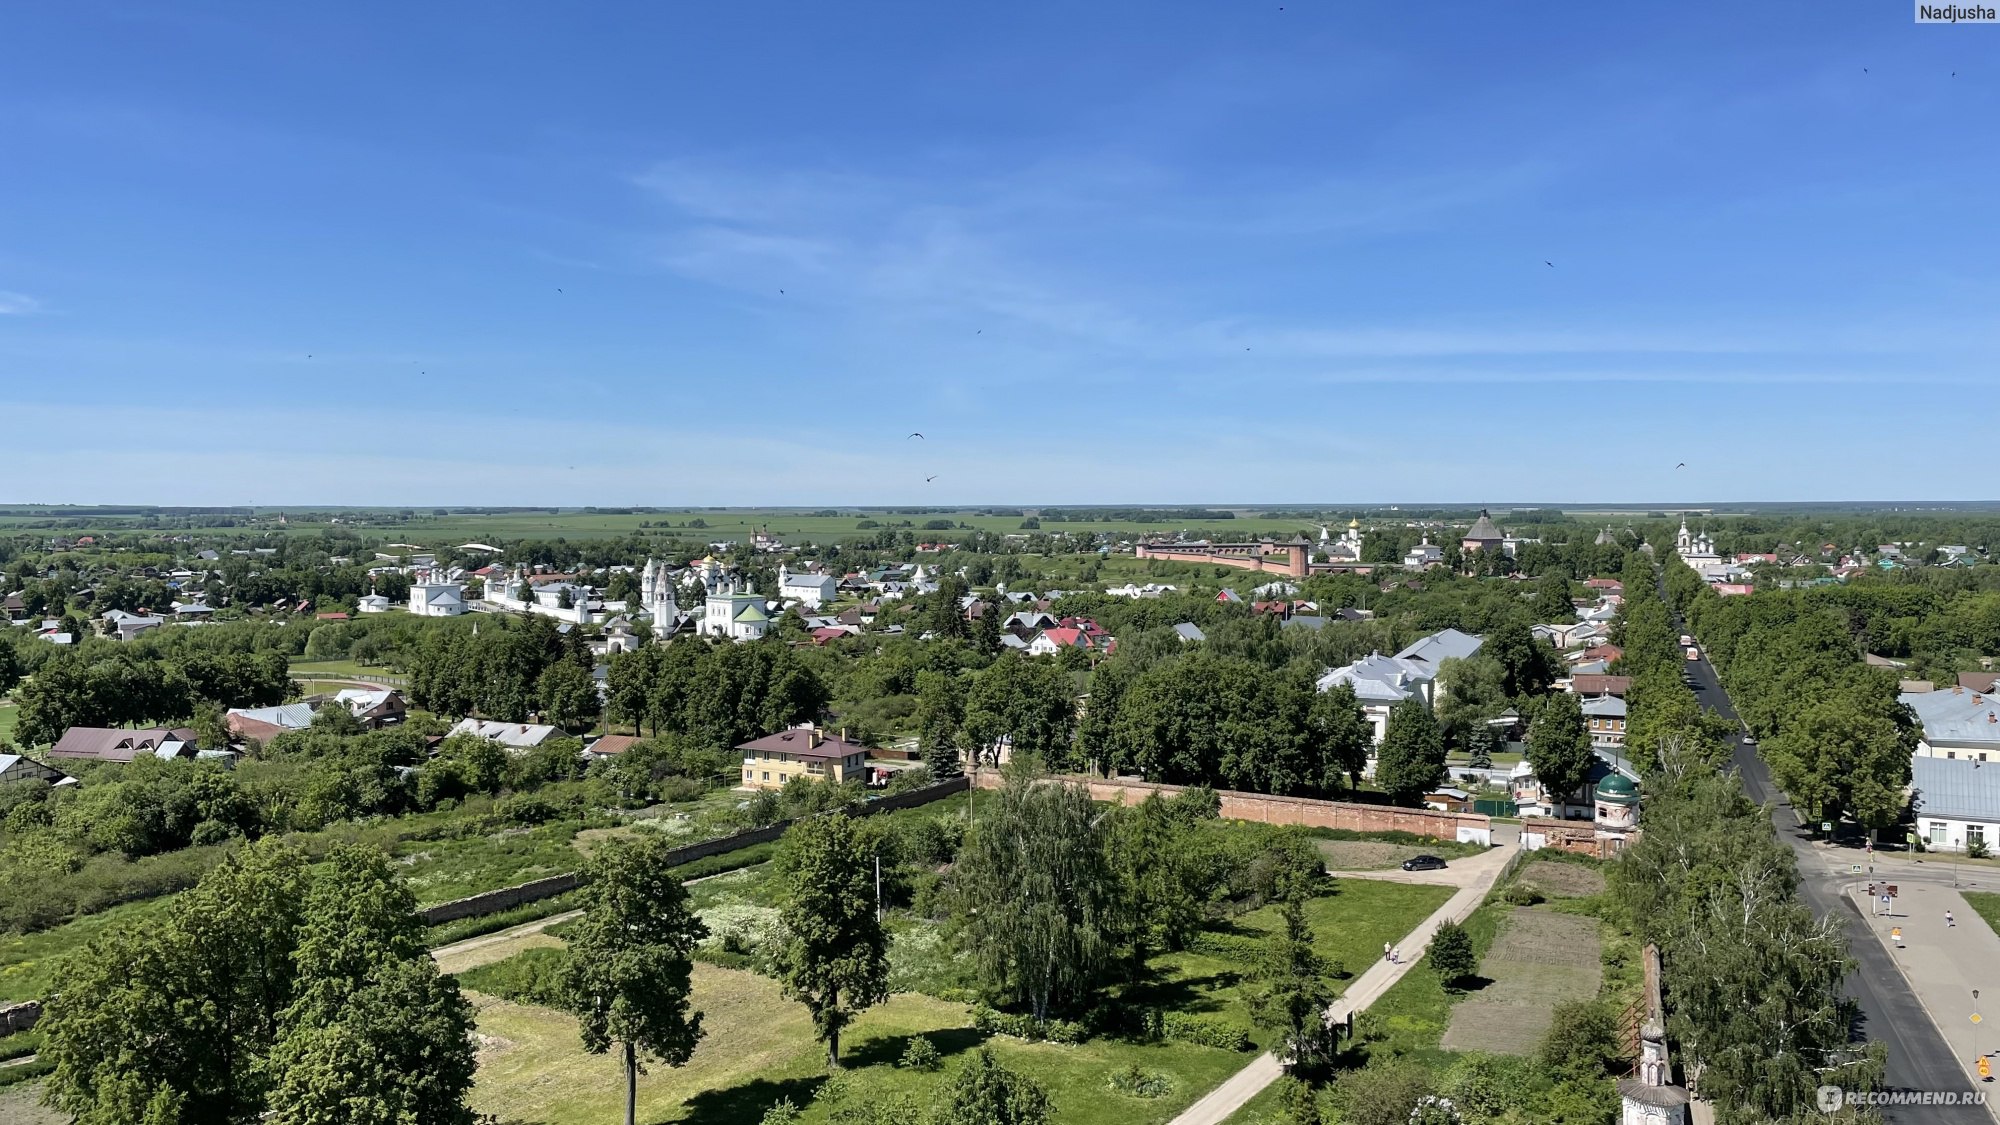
(375,1035)
(835,956)
(1559,747)
(629,976)
(273,992)
(1756,998)
(1527,666)
(1037,898)
(1169,872)
(1846,754)
(1341,734)
(177,1016)
(1023,703)
(1410,761)
(568,695)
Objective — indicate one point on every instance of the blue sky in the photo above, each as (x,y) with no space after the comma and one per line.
(1162,252)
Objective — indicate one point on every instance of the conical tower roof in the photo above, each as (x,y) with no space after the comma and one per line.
(1483,528)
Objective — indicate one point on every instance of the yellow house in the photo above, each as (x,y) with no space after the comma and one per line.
(774,759)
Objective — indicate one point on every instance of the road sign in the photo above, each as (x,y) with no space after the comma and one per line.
(1985,1070)
(1891,892)
(1826,826)
(1854,869)
(1976,1018)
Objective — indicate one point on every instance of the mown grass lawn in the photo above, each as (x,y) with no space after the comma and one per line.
(10,717)
(759,1046)
(759,1049)
(1349,928)
(1987,905)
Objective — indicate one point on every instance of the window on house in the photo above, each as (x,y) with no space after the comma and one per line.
(1937,831)
(1951,753)
(1975,835)
(767,775)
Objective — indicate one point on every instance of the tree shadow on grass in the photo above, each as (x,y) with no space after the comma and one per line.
(1467,985)
(747,1102)
(887,1050)
(1179,993)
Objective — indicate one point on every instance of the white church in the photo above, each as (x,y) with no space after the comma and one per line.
(433,594)
(730,608)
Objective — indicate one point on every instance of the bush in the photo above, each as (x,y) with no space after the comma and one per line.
(1581,1041)
(1024,1026)
(1138,1082)
(1975,849)
(1521,894)
(1450,954)
(532,976)
(1381,1093)
(1198,1030)
(921,1055)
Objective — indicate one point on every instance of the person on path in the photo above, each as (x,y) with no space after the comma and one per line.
(1386,952)
(1948,923)
(1396,956)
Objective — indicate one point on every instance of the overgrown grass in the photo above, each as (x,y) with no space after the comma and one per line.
(10,717)
(445,933)
(20,1044)
(25,1072)
(27,961)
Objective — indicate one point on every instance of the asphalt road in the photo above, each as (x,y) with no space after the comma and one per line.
(1890,1013)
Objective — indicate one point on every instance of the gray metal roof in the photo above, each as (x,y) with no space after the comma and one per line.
(1189,631)
(1956,788)
(1956,717)
(1446,644)
(291,716)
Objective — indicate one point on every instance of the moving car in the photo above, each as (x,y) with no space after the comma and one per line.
(1423,863)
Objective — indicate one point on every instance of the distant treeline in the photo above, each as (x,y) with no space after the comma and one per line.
(1134,515)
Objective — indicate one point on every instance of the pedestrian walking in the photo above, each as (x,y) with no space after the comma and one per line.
(1396,956)
(1948,923)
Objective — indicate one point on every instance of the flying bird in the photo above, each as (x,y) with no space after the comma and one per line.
(930,478)
(1551,265)
(1682,465)
(917,436)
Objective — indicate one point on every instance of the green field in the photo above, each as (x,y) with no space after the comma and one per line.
(10,716)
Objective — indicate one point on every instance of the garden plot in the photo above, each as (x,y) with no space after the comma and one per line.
(1557,879)
(1539,960)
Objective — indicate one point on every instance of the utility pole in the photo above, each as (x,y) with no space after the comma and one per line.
(878,890)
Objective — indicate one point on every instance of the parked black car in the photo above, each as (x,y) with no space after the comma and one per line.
(1423,863)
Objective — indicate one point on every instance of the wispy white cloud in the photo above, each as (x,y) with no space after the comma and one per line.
(18,304)
(1065,256)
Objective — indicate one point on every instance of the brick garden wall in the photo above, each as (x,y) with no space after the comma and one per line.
(1353,816)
